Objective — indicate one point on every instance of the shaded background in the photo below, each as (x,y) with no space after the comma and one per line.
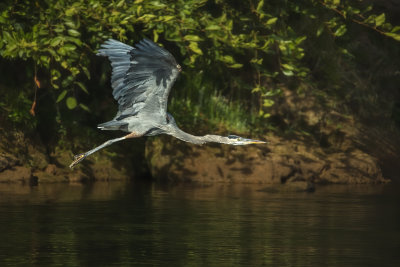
(324,73)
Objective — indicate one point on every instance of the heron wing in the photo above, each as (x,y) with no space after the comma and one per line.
(142,76)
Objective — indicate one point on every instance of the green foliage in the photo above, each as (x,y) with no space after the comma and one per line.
(207,107)
(17,108)
(238,50)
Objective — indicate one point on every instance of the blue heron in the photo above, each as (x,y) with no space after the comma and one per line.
(142,77)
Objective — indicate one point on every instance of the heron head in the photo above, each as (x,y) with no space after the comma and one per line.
(240,141)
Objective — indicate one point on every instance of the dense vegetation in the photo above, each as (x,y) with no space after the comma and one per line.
(237,57)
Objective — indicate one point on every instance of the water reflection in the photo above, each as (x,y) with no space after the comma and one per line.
(106,224)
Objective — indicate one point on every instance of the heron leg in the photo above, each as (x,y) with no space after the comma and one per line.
(78,158)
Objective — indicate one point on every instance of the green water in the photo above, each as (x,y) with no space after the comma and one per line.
(117,224)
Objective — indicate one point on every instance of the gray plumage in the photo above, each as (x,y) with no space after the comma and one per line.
(142,78)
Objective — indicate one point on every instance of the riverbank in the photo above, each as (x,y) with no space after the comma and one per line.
(296,161)
(281,161)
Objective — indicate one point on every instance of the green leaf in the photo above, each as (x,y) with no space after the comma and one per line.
(86,71)
(271,21)
(395,29)
(393,35)
(300,39)
(320,29)
(236,66)
(273,92)
(268,102)
(67,81)
(379,20)
(56,41)
(61,96)
(71,102)
(121,3)
(70,24)
(260,6)
(195,48)
(287,72)
(227,59)
(55,74)
(64,64)
(155,36)
(69,47)
(213,28)
(192,38)
(74,33)
(59,29)
(167,18)
(82,86)
(84,107)
(74,71)
(288,67)
(257,61)
(45,60)
(341,30)
(55,86)
(71,11)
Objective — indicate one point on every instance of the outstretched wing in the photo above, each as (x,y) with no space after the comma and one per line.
(142,76)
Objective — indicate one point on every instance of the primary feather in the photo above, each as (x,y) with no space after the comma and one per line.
(142,77)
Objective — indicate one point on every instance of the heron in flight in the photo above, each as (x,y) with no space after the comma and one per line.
(142,77)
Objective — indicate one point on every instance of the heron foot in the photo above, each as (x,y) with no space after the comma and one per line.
(78,158)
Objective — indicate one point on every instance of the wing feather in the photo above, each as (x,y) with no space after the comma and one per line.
(142,76)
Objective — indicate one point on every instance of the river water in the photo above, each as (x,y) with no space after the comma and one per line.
(145,224)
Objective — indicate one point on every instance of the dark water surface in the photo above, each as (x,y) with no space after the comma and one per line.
(132,224)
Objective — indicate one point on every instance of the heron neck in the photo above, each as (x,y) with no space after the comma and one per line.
(199,140)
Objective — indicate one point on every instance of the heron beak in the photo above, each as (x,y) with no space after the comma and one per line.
(252,141)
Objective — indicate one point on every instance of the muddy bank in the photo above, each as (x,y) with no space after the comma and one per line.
(13,170)
(298,162)
(279,162)
(26,159)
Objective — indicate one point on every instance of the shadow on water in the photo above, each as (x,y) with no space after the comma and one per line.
(104,224)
